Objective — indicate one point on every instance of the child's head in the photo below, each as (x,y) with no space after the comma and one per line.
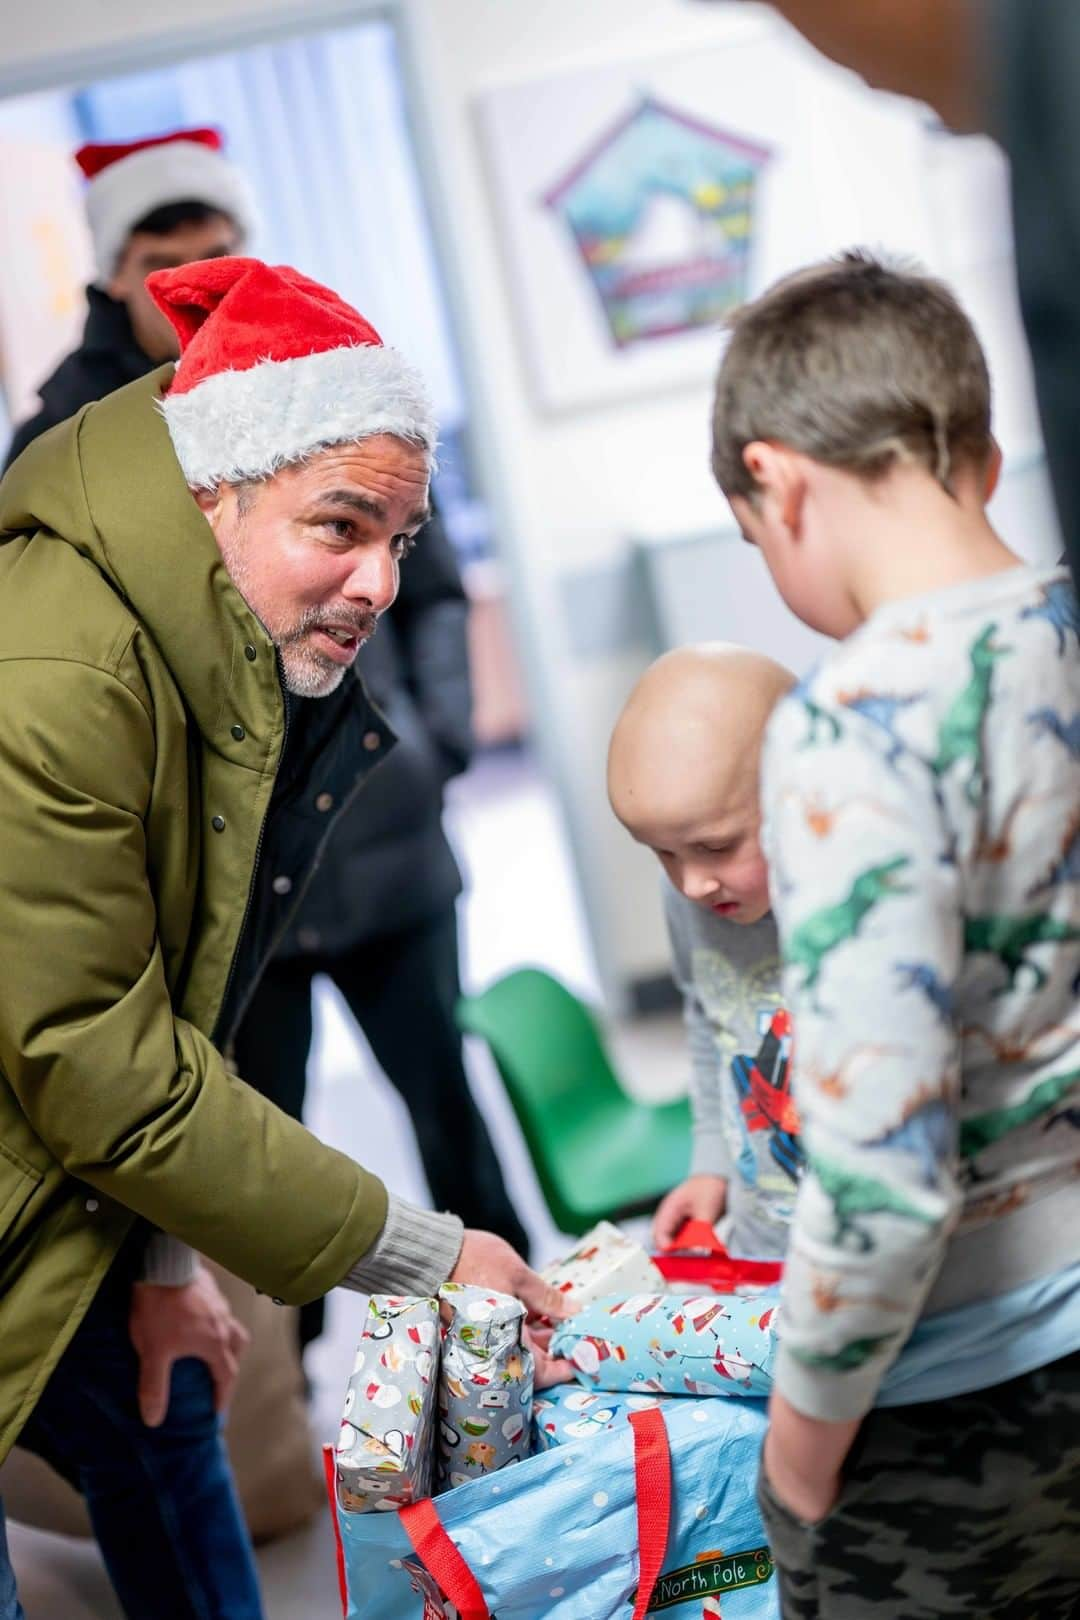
(683,771)
(848,381)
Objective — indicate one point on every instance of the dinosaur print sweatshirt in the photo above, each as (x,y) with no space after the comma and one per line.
(921,792)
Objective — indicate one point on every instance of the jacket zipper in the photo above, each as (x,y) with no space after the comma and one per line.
(224,1002)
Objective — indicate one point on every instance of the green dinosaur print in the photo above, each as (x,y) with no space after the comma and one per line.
(986,1129)
(846,1360)
(960,732)
(1012,939)
(813,940)
(852,1195)
(819,719)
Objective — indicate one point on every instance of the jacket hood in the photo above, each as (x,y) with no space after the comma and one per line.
(108,484)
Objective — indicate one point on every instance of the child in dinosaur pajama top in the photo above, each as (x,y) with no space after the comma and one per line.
(922,800)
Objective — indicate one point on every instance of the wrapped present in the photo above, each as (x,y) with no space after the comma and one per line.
(672,1344)
(485,1385)
(568,1413)
(386,1445)
(605,1262)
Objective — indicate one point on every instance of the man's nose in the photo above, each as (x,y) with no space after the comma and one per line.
(374,580)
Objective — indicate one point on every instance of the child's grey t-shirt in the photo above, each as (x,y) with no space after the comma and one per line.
(739,1037)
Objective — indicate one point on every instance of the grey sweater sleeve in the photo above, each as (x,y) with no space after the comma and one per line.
(168,1261)
(415,1253)
(708,1152)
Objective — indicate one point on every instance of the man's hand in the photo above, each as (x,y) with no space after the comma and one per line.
(168,1323)
(803,1458)
(699,1198)
(490,1262)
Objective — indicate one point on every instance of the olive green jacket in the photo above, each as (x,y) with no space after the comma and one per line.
(141,722)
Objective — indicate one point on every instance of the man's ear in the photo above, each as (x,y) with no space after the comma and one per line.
(211,504)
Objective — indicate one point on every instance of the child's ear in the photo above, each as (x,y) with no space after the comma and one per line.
(778,472)
(992,475)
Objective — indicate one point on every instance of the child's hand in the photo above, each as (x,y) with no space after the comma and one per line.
(699,1198)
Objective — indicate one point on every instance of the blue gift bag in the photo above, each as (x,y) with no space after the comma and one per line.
(655,1517)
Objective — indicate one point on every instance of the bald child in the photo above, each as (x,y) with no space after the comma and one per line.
(683,780)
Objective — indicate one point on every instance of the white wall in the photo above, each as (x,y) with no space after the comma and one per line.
(53,41)
(572,491)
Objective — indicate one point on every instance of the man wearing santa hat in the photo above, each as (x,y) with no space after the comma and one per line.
(150,205)
(188,570)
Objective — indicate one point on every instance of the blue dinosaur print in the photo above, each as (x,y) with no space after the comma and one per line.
(921,976)
(1060,609)
(1048,723)
(929,1135)
(883,710)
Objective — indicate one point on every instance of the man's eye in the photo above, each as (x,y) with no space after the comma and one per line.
(341,528)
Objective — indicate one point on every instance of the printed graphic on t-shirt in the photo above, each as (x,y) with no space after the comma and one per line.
(767,1110)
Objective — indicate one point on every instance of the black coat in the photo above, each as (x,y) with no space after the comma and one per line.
(106,359)
(387,865)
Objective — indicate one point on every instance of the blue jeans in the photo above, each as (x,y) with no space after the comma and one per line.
(162,1501)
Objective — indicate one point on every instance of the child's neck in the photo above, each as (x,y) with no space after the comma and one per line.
(913,538)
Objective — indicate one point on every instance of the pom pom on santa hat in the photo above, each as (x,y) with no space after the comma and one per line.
(130,179)
(273,368)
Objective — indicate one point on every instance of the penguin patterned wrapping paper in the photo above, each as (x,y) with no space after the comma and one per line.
(567,1413)
(485,1385)
(386,1445)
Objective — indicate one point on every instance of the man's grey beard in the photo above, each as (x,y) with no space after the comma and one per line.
(304,672)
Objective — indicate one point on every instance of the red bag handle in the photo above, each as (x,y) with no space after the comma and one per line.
(439,1555)
(652,1477)
(698,1256)
(652,1480)
(331,1490)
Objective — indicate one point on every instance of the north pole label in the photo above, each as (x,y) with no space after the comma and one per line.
(711,1576)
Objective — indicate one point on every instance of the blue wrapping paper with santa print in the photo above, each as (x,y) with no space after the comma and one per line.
(485,1385)
(568,1412)
(674,1344)
(387,1441)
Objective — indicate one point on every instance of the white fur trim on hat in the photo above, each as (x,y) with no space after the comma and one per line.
(176,171)
(238,425)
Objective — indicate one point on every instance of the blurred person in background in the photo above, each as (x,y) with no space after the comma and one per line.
(151,204)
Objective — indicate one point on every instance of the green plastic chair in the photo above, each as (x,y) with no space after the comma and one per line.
(597,1153)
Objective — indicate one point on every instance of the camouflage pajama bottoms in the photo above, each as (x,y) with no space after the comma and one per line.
(967,1507)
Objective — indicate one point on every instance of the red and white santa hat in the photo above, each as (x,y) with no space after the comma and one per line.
(128,180)
(273,368)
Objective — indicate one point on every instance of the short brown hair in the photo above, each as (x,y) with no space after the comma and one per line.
(857,365)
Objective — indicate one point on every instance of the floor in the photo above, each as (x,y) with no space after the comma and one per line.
(505,825)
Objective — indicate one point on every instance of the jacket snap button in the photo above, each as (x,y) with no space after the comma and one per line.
(324,801)
(372,740)
(282,884)
(92,1206)
(218,823)
(238,732)
(250,654)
